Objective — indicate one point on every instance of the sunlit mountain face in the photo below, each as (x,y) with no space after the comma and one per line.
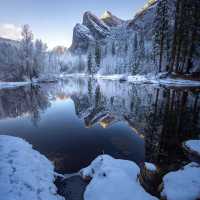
(75,120)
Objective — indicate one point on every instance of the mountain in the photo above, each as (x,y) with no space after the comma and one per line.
(145,44)
(8,41)
(103,28)
(90,30)
(82,37)
(109,19)
(97,27)
(8,59)
(115,37)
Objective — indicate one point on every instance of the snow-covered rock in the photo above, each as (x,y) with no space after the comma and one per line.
(151,167)
(192,147)
(183,184)
(113,179)
(24,172)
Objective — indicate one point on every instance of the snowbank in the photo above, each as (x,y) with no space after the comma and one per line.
(183,184)
(179,82)
(151,79)
(24,172)
(193,146)
(112,77)
(113,179)
(13,84)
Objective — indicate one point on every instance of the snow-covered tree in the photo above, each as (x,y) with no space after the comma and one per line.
(113,49)
(90,64)
(141,45)
(27,52)
(161,31)
(135,42)
(98,54)
(39,57)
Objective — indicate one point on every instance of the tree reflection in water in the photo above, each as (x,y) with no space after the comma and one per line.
(163,117)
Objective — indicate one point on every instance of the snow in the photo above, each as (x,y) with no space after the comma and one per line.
(178,82)
(106,15)
(137,79)
(13,84)
(110,77)
(193,145)
(183,184)
(24,172)
(150,166)
(151,79)
(113,179)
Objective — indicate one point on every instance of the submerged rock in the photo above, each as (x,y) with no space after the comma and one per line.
(72,188)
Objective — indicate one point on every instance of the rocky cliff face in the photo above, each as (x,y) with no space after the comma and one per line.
(108,27)
(97,27)
(82,36)
(126,47)
(90,30)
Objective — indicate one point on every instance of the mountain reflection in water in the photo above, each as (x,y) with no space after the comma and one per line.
(73,121)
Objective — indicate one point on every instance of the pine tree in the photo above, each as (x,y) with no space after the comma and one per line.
(135,42)
(126,47)
(90,64)
(113,49)
(141,45)
(39,57)
(161,30)
(185,36)
(97,55)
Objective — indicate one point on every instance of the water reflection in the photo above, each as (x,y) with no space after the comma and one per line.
(23,101)
(77,119)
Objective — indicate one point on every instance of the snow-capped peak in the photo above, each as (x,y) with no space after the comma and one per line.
(110,19)
(106,14)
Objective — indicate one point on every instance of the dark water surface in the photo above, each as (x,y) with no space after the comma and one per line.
(73,121)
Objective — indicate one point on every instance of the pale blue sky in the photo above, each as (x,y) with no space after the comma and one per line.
(53,20)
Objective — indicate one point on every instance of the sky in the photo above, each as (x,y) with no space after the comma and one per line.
(53,20)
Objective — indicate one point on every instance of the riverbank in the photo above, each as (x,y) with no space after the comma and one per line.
(25,172)
(160,80)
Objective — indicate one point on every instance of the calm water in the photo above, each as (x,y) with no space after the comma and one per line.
(73,121)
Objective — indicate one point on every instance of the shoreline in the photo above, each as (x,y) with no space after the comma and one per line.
(137,79)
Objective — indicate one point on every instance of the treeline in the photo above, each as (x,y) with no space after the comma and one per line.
(122,55)
(26,58)
(177,36)
(32,55)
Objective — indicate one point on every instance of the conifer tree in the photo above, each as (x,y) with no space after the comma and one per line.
(90,64)
(161,31)
(97,55)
